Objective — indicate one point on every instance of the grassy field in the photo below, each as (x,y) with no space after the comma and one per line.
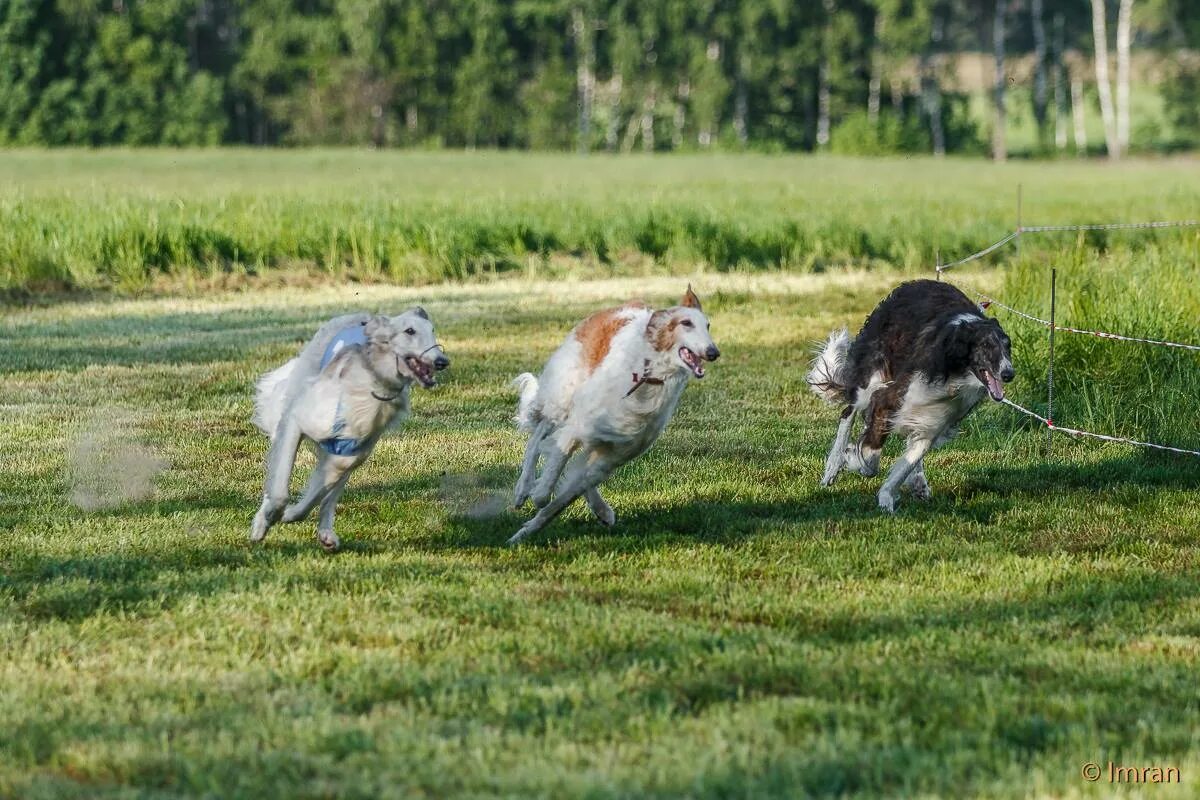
(133,220)
(741,632)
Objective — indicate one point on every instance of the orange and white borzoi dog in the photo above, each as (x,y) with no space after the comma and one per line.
(604,397)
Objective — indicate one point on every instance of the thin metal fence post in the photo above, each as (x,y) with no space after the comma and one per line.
(1050,371)
(1018,228)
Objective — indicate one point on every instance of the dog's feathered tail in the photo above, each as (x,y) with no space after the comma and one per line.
(527,384)
(826,377)
(270,397)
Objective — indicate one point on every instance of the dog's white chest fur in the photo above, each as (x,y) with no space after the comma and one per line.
(340,402)
(929,407)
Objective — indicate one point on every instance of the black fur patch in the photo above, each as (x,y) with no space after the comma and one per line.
(913,330)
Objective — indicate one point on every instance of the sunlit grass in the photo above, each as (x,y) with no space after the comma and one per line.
(741,632)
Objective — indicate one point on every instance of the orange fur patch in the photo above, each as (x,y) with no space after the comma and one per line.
(597,331)
(661,331)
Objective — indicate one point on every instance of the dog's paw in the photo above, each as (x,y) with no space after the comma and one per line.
(920,489)
(520,535)
(887,501)
(829,477)
(519,500)
(328,541)
(606,516)
(259,528)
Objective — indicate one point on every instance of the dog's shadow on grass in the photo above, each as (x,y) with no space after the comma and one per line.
(74,587)
(718,521)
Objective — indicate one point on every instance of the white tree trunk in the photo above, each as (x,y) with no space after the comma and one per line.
(1081,142)
(823,106)
(1060,87)
(741,109)
(999,143)
(1100,43)
(648,119)
(1124,37)
(612,134)
(1040,98)
(875,83)
(585,80)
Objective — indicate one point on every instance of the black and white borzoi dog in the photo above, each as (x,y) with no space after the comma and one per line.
(924,358)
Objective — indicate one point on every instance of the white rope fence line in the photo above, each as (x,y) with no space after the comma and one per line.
(975,256)
(1023,229)
(1109,226)
(1103,437)
(988,301)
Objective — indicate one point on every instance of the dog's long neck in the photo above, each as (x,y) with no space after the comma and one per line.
(368,403)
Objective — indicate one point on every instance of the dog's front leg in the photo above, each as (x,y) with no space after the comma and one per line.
(280,460)
(837,453)
(529,464)
(327,473)
(908,461)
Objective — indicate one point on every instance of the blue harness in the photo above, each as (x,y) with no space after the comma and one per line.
(354,336)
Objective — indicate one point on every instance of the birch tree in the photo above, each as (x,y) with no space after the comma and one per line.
(1100,47)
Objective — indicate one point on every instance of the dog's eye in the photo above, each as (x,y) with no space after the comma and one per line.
(687,323)
(411,331)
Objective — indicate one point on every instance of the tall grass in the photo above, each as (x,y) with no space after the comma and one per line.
(125,218)
(1147,290)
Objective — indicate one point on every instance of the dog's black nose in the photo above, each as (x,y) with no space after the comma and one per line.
(712,353)
(1007,374)
(441,362)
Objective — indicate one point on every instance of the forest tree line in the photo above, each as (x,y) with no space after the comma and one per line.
(604,75)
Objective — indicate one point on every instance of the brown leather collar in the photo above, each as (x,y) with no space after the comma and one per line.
(638,380)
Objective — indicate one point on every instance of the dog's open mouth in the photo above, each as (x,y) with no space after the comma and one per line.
(994,386)
(421,371)
(693,361)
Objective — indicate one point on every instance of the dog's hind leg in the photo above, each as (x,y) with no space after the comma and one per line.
(837,453)
(916,483)
(599,507)
(325,534)
(529,464)
(917,447)
(557,455)
(280,460)
(587,470)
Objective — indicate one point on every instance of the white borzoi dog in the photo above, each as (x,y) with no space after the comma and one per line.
(603,399)
(349,384)
(924,359)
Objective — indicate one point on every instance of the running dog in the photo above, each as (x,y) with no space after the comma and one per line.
(603,399)
(349,384)
(923,360)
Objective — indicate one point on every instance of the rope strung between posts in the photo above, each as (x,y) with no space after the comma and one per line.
(1024,229)
(1103,437)
(986,301)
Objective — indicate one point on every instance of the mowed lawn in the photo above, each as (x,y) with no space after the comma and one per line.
(741,632)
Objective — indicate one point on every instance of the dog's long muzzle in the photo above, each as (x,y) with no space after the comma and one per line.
(440,362)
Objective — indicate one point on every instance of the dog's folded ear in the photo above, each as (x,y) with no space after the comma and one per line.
(420,312)
(378,329)
(690,300)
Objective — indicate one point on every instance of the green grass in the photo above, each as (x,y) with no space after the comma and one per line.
(134,220)
(741,632)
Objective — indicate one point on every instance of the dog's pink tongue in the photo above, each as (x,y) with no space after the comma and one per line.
(994,386)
